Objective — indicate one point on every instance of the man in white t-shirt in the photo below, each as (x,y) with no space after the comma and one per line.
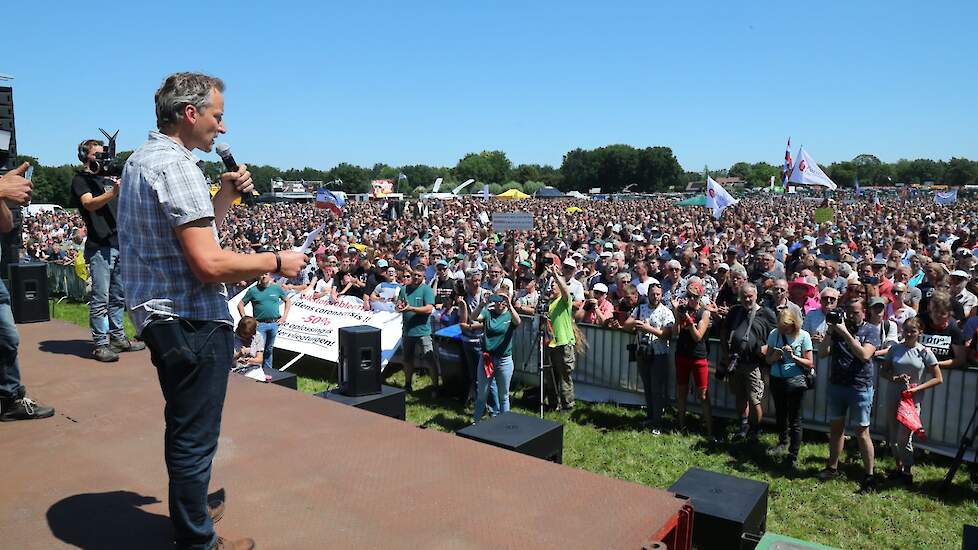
(652,323)
(569,269)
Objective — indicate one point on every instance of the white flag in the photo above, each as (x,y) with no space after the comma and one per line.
(807,172)
(437,185)
(717,197)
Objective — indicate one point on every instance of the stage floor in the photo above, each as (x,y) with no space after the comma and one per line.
(300,471)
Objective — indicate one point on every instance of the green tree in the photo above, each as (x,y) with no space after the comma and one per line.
(494,189)
(355,178)
(512,185)
(487,166)
(532,187)
(740,170)
(960,172)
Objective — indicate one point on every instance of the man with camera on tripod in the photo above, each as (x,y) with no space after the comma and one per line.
(96,197)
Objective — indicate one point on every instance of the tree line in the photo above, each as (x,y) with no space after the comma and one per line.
(611,168)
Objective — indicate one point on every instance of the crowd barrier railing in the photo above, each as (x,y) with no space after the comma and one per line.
(64,281)
(604,373)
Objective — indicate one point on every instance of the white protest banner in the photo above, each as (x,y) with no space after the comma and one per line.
(807,172)
(506,221)
(313,326)
(946,197)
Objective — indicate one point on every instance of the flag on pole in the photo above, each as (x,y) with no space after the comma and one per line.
(807,172)
(858,190)
(437,185)
(401,177)
(876,201)
(330,201)
(786,171)
(770,186)
(946,197)
(717,197)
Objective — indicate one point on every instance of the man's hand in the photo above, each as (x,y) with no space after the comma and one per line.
(293,261)
(15,188)
(239,182)
(116,182)
(401,306)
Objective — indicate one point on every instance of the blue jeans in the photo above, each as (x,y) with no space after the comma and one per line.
(269,331)
(846,400)
(192,360)
(502,373)
(473,358)
(10,386)
(107,303)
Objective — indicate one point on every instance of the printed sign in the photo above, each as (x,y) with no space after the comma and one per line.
(507,221)
(313,326)
(823,215)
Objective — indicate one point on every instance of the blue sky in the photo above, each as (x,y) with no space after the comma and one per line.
(314,84)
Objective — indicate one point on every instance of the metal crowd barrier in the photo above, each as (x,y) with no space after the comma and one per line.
(604,373)
(63,281)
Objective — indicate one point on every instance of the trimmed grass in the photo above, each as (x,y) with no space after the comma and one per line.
(606,439)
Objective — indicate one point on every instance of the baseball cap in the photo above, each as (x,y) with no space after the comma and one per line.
(569,262)
(606,254)
(723,266)
(899,287)
(442,262)
(525,263)
(877,301)
(960,273)
(496,298)
(382,263)
(609,246)
(600,287)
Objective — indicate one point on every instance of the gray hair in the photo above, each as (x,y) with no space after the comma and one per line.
(180,90)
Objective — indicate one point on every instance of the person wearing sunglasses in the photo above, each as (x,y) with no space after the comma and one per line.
(814,323)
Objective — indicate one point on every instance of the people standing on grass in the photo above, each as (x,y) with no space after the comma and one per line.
(498,320)
(789,352)
(692,322)
(653,324)
(904,366)
(266,298)
(851,344)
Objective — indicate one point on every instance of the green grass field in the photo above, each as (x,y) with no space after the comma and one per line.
(605,439)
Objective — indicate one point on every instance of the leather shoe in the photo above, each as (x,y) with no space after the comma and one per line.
(239,544)
(215,505)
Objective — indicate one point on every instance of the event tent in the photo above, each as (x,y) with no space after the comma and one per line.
(512,194)
(698,200)
(548,193)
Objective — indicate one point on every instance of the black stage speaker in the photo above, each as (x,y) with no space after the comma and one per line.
(527,435)
(970,540)
(9,242)
(29,292)
(389,402)
(724,507)
(359,360)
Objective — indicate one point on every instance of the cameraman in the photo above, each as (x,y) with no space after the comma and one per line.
(851,343)
(96,198)
(597,309)
(743,346)
(692,320)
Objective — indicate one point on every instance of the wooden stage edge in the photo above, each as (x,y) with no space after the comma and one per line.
(300,471)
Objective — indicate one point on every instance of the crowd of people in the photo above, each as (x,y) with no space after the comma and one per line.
(762,283)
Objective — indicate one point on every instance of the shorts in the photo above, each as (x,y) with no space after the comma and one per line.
(854,403)
(699,368)
(747,383)
(412,345)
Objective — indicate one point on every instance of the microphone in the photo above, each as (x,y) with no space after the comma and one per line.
(224,151)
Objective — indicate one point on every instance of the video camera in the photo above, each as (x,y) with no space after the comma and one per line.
(105,163)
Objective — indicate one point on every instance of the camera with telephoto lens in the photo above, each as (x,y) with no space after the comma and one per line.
(835,317)
(105,163)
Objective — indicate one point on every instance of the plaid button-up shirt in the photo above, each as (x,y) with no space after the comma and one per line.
(162,188)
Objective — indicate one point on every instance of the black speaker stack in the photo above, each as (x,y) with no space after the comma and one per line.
(9,242)
(29,292)
(359,360)
(725,508)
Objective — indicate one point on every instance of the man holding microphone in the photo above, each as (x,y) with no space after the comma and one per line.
(173,270)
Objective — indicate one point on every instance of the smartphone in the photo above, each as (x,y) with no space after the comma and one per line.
(30,173)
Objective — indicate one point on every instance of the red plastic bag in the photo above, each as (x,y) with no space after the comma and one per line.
(487,364)
(907,415)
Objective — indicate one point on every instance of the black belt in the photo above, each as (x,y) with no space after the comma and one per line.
(275,320)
